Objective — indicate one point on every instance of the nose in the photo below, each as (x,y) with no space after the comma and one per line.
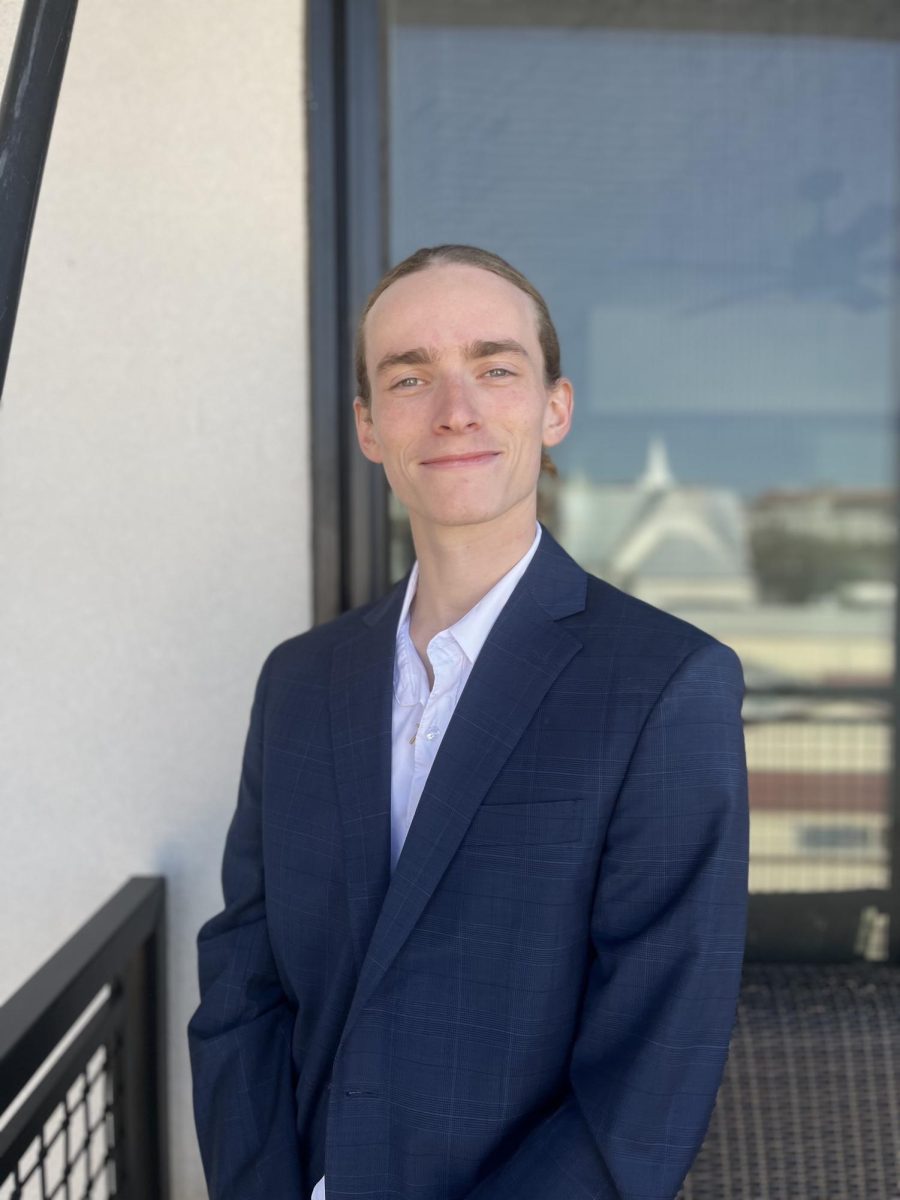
(455,406)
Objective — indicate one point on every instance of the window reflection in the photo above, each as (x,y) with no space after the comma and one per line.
(712,215)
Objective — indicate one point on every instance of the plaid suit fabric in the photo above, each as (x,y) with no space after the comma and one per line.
(538,1004)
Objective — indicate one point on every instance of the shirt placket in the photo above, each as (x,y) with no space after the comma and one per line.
(443,654)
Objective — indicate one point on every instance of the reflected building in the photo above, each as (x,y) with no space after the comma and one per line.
(790,579)
(861,516)
(669,543)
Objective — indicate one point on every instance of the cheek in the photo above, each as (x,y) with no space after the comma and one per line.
(523,421)
(391,432)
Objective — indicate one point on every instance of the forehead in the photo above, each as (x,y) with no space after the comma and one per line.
(450,305)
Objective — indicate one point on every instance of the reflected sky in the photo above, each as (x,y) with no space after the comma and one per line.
(713,219)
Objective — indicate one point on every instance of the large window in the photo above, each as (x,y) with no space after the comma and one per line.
(707,195)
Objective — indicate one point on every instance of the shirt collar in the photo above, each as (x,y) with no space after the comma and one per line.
(469,632)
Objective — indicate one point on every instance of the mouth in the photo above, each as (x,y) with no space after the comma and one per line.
(462,460)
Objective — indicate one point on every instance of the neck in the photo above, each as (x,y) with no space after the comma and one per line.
(458,564)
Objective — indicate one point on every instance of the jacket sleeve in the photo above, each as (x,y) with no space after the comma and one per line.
(239,1038)
(668,931)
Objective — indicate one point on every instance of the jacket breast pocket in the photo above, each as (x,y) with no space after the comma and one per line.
(533,823)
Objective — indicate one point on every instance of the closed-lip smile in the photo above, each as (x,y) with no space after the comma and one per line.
(460,460)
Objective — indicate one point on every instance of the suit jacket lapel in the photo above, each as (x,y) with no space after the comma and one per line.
(523,654)
(362,679)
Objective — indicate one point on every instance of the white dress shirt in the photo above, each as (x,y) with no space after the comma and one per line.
(421,715)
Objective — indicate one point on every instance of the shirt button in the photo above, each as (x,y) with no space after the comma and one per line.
(431,734)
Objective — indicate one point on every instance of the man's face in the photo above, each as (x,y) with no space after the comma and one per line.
(459,410)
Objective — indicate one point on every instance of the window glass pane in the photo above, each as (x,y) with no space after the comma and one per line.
(712,214)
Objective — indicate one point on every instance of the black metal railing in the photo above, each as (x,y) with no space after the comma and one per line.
(809,1105)
(82,1061)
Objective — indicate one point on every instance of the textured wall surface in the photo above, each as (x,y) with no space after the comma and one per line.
(154,472)
(9,17)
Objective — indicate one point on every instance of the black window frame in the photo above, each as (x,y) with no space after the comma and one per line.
(347,256)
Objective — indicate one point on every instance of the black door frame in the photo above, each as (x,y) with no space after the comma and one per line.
(347,256)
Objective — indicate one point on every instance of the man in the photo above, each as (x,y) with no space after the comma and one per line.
(507,968)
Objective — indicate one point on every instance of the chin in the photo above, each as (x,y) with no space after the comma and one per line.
(456,509)
(464,514)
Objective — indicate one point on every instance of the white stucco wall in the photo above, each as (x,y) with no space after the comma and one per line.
(154,472)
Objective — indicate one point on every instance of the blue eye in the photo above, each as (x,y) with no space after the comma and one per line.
(502,370)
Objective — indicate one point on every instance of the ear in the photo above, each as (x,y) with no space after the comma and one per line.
(558,413)
(365,430)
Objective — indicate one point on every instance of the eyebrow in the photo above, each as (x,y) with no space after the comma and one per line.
(420,356)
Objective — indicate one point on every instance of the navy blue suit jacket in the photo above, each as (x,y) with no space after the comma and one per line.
(538,1004)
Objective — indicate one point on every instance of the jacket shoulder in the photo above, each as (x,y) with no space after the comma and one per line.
(647,633)
(311,650)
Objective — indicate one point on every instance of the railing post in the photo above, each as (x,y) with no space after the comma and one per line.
(157,1024)
(142,1150)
